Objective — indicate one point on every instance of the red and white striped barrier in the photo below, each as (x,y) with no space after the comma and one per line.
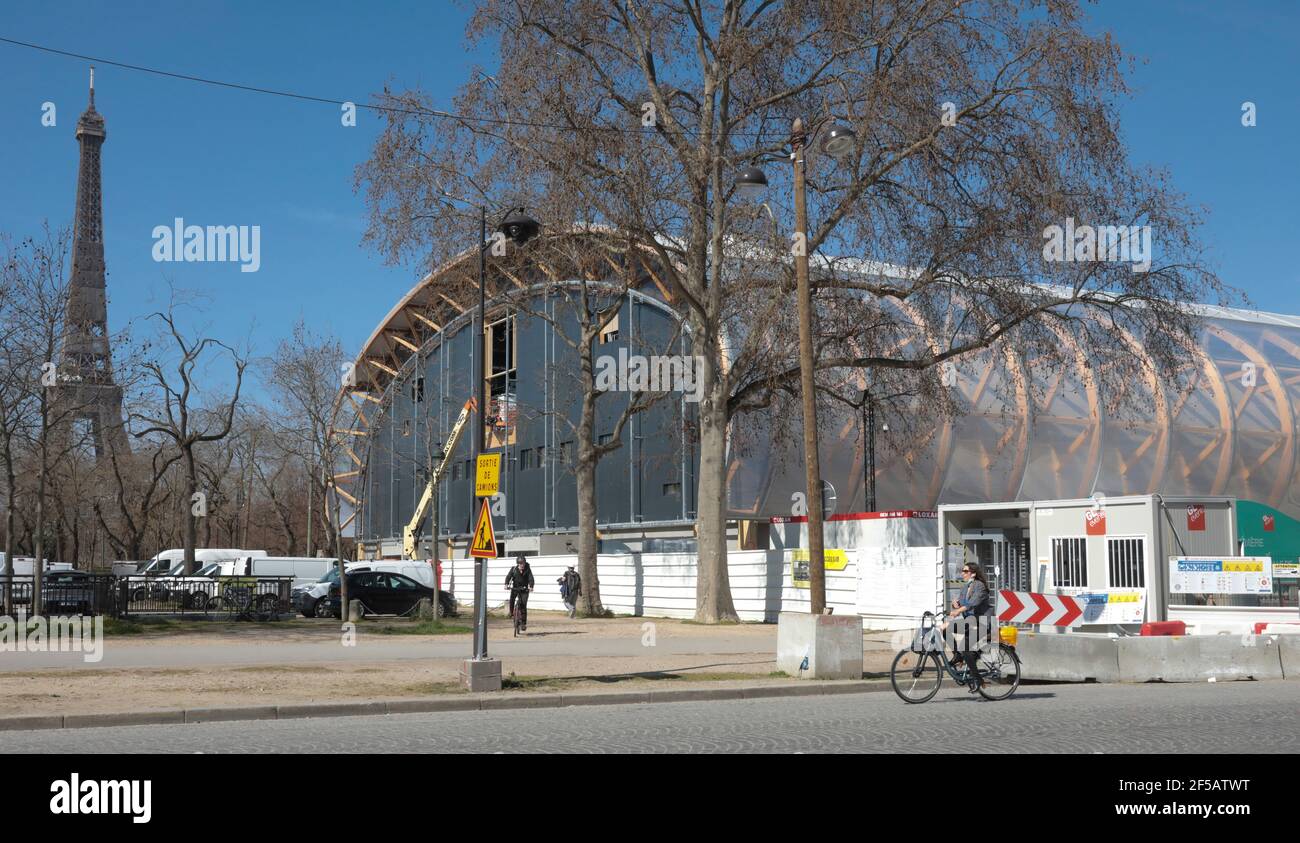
(1046,609)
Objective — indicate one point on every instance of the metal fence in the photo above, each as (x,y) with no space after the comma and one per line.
(256,598)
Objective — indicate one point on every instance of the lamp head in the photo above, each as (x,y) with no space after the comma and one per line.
(751,182)
(519,227)
(839,141)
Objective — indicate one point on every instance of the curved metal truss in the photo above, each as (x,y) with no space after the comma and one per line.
(440,304)
(1026,431)
(1230,430)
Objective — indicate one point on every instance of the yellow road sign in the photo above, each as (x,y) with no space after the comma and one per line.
(487,479)
(484,545)
(832,559)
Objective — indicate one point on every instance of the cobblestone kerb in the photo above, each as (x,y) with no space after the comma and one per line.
(469,702)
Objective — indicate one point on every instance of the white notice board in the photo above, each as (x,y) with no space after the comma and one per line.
(1220,575)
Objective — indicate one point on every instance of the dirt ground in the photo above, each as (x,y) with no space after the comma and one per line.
(748,652)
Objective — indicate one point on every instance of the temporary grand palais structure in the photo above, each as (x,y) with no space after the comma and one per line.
(1232,434)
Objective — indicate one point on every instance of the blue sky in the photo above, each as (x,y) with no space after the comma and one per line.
(217,156)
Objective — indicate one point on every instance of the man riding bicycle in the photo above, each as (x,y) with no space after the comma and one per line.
(520,582)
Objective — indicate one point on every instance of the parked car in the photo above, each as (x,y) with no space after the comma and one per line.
(70,591)
(312,601)
(310,597)
(196,590)
(383,593)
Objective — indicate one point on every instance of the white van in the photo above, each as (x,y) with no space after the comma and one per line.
(303,569)
(163,574)
(168,561)
(25,566)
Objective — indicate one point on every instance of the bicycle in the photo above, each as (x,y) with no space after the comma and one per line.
(242,602)
(519,595)
(918,671)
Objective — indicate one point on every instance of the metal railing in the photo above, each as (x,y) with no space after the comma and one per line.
(260,598)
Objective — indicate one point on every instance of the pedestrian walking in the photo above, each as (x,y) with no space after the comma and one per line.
(570,590)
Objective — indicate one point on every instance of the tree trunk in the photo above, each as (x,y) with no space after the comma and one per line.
(191,520)
(713,589)
(589,604)
(10,482)
(585,482)
(38,567)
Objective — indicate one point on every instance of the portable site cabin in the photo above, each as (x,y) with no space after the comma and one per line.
(1121,554)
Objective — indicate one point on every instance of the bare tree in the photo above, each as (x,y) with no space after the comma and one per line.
(979,126)
(16,407)
(305,376)
(39,289)
(136,497)
(180,416)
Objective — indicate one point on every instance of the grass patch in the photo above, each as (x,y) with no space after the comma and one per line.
(779,674)
(140,624)
(426,627)
(117,626)
(436,688)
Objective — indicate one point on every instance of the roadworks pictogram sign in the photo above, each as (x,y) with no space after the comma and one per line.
(484,545)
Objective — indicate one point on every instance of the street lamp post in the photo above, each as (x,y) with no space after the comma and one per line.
(869,446)
(837,142)
(807,380)
(519,228)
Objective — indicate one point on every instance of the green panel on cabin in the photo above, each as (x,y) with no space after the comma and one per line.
(1282,541)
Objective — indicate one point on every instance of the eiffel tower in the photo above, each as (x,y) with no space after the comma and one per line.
(86,390)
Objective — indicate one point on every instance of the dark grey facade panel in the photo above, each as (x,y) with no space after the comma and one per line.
(461,362)
(644,480)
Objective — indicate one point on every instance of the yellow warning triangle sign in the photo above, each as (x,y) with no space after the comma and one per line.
(484,545)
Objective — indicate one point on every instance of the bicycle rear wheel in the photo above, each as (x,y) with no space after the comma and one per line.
(1000,671)
(915,676)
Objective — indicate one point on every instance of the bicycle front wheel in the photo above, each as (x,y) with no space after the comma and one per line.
(1000,670)
(915,676)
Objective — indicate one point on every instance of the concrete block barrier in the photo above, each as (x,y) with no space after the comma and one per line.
(1289,649)
(1196,658)
(1068,658)
(832,645)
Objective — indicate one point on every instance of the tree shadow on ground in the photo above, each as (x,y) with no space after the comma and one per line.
(689,673)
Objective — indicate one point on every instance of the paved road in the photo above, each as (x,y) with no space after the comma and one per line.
(1244,717)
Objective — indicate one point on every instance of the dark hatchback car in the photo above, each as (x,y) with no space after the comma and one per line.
(73,591)
(383,593)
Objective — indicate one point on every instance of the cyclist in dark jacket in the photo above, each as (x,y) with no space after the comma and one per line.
(520,582)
